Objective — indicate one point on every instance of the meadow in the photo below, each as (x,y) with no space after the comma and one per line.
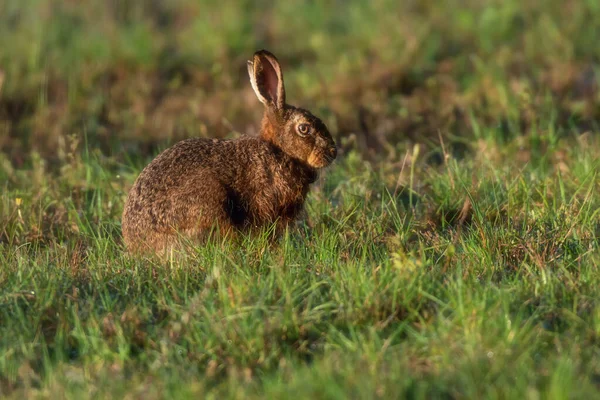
(451,251)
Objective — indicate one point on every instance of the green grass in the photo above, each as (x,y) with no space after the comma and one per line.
(450,252)
(373,297)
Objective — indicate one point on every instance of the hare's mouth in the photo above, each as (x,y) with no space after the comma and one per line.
(321,158)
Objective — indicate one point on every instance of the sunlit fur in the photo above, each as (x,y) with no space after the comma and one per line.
(203,186)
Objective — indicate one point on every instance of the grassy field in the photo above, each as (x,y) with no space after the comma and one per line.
(452,250)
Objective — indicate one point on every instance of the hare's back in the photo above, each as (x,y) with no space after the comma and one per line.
(186,158)
(188,154)
(193,161)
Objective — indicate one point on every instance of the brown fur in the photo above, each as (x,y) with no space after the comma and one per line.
(234,185)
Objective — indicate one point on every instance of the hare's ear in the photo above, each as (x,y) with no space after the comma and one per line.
(267,79)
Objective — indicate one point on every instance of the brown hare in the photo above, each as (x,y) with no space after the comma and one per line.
(230,185)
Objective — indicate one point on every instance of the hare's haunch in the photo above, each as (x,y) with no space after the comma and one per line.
(203,184)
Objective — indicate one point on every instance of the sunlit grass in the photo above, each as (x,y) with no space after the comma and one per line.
(451,251)
(368,295)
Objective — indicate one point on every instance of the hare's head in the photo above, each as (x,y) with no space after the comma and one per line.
(295,131)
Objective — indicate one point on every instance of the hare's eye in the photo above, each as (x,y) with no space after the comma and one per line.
(303,129)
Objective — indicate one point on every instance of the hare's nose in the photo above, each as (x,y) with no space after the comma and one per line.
(333,152)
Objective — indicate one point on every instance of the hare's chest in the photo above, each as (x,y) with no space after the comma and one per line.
(278,192)
(290,201)
(280,200)
(289,189)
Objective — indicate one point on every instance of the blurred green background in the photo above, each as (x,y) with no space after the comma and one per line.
(452,250)
(129,76)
